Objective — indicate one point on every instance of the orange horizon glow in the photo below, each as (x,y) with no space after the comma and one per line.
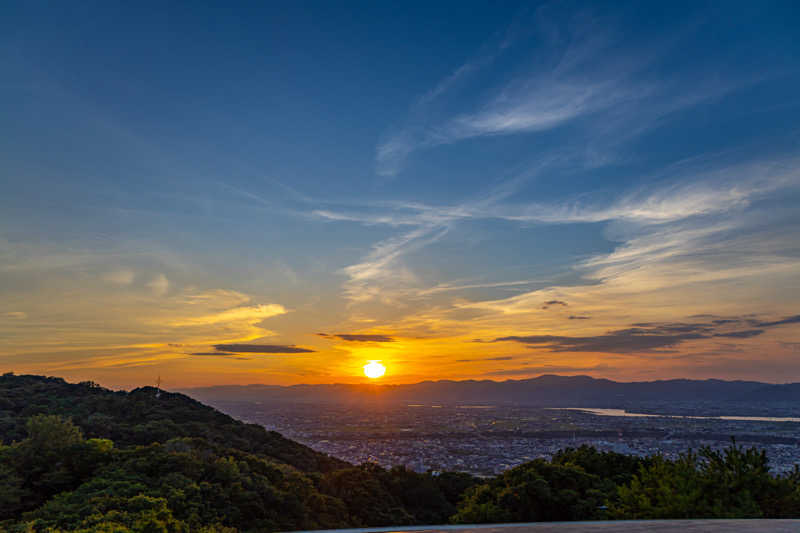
(411,359)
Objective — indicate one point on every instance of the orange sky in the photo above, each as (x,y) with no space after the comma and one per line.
(279,195)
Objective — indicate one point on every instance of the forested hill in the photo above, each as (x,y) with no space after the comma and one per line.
(142,416)
(78,457)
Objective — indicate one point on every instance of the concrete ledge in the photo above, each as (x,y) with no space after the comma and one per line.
(627,526)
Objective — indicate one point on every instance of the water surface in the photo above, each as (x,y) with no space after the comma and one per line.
(624,413)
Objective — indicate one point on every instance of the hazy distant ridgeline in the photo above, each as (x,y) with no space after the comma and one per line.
(543,391)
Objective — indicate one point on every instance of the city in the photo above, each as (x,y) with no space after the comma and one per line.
(485,440)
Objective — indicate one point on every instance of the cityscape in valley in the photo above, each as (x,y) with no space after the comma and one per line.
(359,425)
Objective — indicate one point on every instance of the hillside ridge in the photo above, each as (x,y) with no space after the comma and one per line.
(548,390)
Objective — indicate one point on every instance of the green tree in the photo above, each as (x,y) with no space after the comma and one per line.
(535,491)
(368,501)
(733,483)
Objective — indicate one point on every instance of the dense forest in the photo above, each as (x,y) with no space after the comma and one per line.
(78,457)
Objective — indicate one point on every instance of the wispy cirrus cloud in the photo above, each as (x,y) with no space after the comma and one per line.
(580,72)
(702,202)
(398,144)
(381,272)
(252,314)
(706,186)
(453,287)
(534,101)
(702,188)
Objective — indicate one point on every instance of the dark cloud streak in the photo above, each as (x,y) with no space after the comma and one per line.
(653,337)
(358,337)
(741,334)
(788,320)
(261,348)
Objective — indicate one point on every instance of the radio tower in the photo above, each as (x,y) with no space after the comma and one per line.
(158,387)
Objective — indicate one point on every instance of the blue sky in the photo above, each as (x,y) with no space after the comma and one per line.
(177,177)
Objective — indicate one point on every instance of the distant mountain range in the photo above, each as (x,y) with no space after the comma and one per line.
(544,391)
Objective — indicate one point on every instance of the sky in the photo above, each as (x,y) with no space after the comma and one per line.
(281,192)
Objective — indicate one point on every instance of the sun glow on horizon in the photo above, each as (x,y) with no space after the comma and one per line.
(374,370)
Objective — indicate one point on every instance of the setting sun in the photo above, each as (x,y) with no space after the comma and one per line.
(374,370)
